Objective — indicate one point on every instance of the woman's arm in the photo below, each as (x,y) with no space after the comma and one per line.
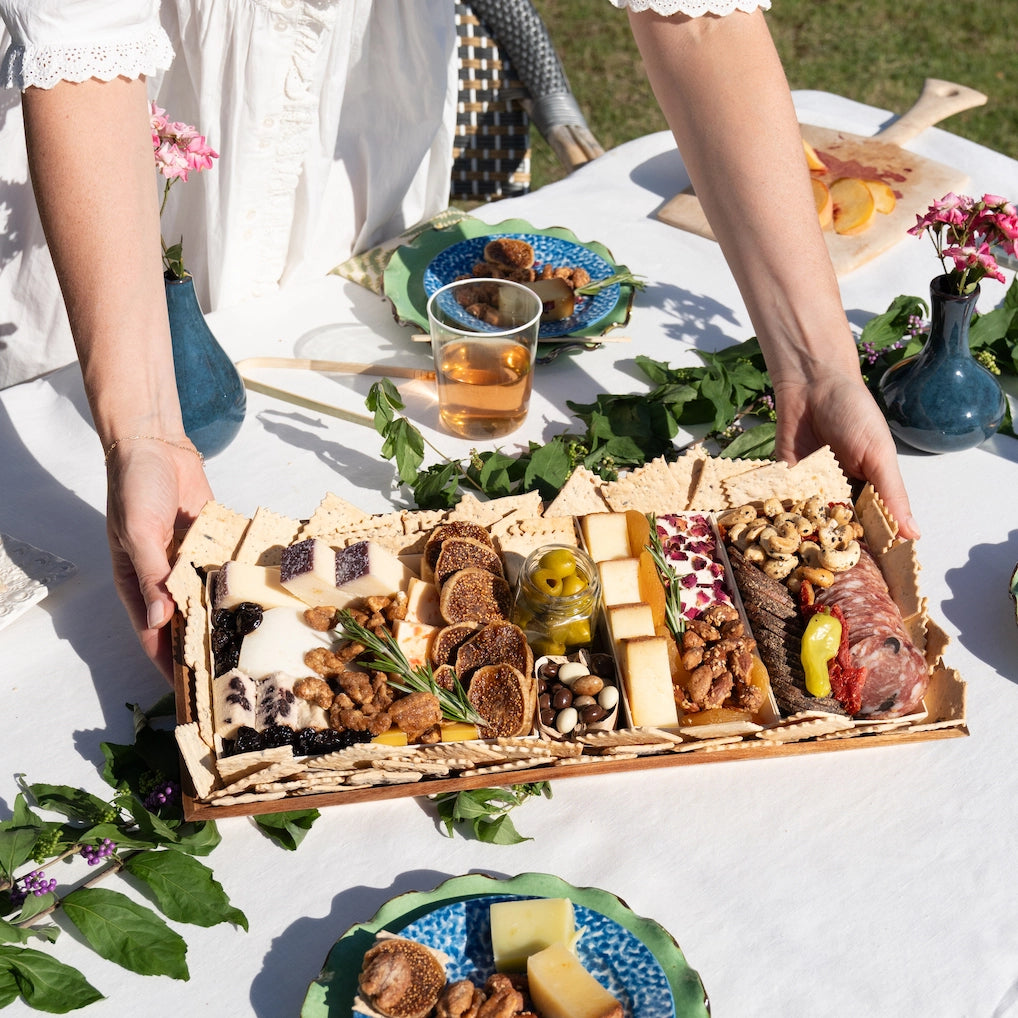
(722,89)
(90,153)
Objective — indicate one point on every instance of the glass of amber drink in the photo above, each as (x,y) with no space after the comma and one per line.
(484,340)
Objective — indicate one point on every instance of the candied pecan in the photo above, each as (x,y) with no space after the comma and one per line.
(325,662)
(502,1003)
(580,277)
(350,650)
(379,723)
(357,685)
(352,720)
(459,1000)
(397,607)
(415,713)
(703,629)
(322,618)
(314,690)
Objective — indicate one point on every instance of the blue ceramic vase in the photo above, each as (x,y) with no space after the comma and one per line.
(943,399)
(211,391)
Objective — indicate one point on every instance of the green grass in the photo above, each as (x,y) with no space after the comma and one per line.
(877,52)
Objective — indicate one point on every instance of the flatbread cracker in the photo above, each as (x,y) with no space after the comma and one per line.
(198,758)
(580,495)
(212,538)
(266,537)
(686,471)
(709,492)
(819,473)
(758,484)
(651,488)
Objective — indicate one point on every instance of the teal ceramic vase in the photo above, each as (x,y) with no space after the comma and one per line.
(211,391)
(943,399)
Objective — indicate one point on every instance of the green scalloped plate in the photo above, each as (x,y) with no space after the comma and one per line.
(332,994)
(403,280)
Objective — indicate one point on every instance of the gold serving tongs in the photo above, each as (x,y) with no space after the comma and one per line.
(324,367)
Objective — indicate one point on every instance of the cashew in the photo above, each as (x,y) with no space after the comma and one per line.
(809,552)
(813,509)
(834,537)
(840,513)
(777,568)
(817,576)
(783,540)
(772,507)
(743,514)
(802,525)
(838,560)
(755,555)
(750,534)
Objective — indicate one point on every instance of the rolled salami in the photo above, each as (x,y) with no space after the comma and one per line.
(896,675)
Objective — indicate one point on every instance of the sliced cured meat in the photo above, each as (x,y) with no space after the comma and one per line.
(896,672)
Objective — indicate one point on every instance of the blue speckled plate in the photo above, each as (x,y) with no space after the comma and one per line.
(635,958)
(460,259)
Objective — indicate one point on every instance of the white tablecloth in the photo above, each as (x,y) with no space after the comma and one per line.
(872,882)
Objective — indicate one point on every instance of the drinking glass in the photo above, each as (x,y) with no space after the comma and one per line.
(484,340)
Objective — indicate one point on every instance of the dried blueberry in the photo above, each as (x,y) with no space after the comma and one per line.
(247,617)
(222,619)
(247,740)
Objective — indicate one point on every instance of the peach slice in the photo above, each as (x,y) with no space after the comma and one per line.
(883,195)
(854,207)
(813,161)
(824,202)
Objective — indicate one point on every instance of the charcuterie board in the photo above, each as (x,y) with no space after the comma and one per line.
(223,777)
(915,179)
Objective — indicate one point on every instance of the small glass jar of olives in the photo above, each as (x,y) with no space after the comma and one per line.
(558,594)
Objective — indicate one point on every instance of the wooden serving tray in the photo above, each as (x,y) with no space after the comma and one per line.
(273,780)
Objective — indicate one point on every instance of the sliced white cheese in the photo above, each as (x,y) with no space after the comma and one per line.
(414,639)
(238,582)
(605,535)
(620,580)
(279,644)
(628,620)
(525,926)
(279,705)
(366,569)
(234,696)
(648,681)
(561,987)
(308,570)
(422,603)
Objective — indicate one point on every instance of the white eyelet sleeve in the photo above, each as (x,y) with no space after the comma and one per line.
(693,8)
(74,40)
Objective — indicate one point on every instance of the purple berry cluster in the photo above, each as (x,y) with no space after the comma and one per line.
(94,854)
(166,793)
(32,883)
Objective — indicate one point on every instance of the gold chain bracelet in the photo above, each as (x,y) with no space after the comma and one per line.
(185,445)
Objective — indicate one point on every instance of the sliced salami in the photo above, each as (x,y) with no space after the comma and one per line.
(896,674)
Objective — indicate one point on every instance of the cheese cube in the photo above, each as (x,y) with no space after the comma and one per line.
(422,603)
(237,582)
(366,569)
(523,927)
(308,569)
(561,987)
(606,535)
(628,620)
(648,681)
(414,639)
(279,644)
(620,580)
(458,731)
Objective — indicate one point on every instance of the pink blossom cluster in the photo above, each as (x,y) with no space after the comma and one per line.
(179,148)
(966,230)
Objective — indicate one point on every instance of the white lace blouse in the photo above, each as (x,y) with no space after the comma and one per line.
(334,120)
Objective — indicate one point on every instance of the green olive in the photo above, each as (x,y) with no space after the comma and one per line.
(559,561)
(546,645)
(548,582)
(573,584)
(573,634)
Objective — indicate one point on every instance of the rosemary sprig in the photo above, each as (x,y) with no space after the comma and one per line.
(624,278)
(388,657)
(670,578)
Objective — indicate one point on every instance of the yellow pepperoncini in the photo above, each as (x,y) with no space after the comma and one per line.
(820,643)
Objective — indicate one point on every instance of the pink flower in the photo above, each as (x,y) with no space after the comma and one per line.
(179,150)
(964,230)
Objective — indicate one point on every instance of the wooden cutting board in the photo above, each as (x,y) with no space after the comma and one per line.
(916,180)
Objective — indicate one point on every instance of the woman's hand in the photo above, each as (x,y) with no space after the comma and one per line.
(154,488)
(838,410)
